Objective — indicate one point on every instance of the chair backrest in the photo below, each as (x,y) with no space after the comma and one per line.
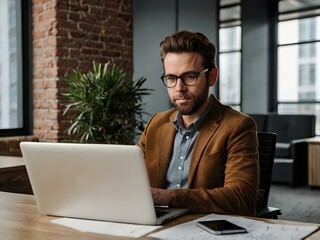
(267,144)
(291,127)
(261,121)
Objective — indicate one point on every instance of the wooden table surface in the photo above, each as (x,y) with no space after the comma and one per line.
(20,219)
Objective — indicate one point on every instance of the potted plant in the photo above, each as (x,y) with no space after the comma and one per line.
(104,105)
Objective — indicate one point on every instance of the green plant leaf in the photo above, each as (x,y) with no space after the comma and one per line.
(105,105)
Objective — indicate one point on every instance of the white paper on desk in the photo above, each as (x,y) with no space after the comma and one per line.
(102,227)
(257,230)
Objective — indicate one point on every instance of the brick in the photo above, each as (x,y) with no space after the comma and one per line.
(69,35)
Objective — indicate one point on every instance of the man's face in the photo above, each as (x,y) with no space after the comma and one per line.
(187,99)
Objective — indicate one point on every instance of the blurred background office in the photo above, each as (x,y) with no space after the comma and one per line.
(268,53)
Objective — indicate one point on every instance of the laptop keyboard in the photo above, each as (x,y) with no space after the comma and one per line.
(161,213)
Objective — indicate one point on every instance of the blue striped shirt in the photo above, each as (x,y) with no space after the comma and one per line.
(184,141)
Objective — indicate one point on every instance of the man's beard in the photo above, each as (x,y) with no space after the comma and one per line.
(193,107)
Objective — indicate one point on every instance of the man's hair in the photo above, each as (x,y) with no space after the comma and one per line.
(186,41)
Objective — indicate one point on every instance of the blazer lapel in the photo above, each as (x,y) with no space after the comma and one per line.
(208,128)
(166,142)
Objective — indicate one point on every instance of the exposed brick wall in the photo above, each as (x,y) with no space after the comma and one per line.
(69,34)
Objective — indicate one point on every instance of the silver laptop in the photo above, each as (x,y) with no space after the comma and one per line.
(92,181)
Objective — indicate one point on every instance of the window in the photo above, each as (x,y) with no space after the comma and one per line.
(230,52)
(299,58)
(14,67)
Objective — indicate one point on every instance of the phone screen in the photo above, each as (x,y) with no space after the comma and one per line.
(220,227)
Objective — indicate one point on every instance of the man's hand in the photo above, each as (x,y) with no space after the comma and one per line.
(162,196)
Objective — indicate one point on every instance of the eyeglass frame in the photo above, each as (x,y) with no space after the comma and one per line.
(182,77)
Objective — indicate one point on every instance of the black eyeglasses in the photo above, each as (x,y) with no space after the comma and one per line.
(188,78)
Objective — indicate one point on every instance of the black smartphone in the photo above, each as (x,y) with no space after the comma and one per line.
(220,227)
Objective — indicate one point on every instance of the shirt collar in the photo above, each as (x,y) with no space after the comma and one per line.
(196,125)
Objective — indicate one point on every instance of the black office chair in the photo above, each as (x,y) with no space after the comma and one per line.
(267,144)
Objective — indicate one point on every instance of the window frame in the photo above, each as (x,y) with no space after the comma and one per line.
(292,15)
(230,23)
(26,68)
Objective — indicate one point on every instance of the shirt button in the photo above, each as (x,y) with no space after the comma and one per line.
(181,157)
(187,137)
(179,168)
(178,185)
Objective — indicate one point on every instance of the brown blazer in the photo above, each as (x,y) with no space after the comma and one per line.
(224,168)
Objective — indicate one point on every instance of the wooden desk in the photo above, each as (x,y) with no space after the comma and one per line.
(20,219)
(13,175)
(314,162)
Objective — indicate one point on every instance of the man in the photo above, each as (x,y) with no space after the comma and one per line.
(201,155)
